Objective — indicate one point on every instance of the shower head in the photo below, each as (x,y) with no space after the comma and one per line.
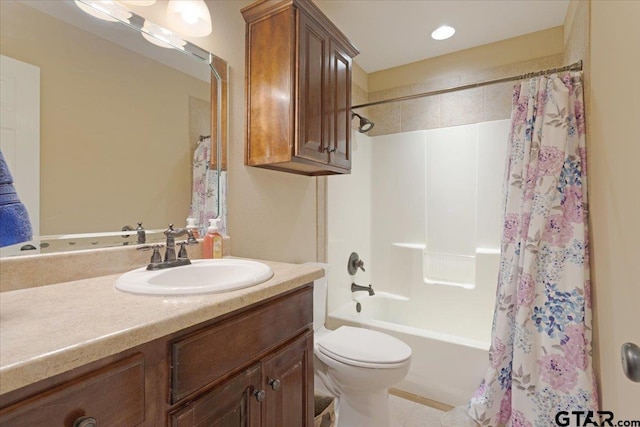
(365,124)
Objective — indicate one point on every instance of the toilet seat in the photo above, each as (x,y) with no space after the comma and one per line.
(364,348)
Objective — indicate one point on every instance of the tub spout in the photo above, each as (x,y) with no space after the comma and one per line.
(356,288)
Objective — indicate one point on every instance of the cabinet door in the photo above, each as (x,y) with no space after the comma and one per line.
(231,404)
(112,396)
(339,109)
(288,381)
(313,54)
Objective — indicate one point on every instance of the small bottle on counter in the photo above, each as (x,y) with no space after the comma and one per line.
(191,225)
(212,243)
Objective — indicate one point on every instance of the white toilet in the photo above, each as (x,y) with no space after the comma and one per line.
(356,365)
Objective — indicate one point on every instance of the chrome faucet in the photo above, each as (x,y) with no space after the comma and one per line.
(170,259)
(356,288)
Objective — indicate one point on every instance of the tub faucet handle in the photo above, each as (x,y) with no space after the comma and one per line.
(355,263)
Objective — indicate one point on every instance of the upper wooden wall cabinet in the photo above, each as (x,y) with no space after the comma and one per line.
(298,82)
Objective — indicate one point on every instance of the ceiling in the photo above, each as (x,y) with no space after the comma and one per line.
(390,33)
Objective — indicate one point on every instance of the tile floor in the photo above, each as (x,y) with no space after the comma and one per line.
(406,413)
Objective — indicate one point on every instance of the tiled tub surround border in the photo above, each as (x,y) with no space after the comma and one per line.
(450,109)
(31,271)
(48,330)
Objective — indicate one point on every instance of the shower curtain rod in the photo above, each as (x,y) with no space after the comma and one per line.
(573,67)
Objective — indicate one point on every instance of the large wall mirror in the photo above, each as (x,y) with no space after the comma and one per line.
(101,121)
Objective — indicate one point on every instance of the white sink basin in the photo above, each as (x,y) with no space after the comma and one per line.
(202,276)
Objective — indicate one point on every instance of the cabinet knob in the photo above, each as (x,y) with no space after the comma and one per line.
(274,383)
(85,422)
(259,394)
(330,150)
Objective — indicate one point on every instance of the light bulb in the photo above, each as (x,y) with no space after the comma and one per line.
(106,10)
(189,17)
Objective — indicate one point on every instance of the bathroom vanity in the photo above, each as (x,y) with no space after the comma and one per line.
(83,354)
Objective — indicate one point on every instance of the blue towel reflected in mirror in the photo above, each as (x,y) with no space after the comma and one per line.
(15,226)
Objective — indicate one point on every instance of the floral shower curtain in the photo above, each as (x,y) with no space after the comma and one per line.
(204,198)
(540,356)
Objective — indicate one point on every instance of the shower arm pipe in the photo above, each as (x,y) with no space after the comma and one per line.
(577,66)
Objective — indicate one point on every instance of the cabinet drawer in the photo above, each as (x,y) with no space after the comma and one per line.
(113,395)
(208,355)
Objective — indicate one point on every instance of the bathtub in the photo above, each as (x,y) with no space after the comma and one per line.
(449,360)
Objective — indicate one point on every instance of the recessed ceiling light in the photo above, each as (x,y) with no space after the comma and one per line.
(443,32)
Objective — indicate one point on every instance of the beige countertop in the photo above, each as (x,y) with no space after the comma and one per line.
(51,329)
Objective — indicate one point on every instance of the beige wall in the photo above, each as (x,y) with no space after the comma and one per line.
(536,51)
(614,197)
(271,215)
(471,62)
(104,152)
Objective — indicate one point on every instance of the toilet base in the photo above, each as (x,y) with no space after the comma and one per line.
(364,409)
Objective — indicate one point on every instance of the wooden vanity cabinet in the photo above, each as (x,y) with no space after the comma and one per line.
(276,392)
(250,368)
(298,84)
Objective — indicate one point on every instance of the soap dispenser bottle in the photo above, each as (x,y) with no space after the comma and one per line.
(212,243)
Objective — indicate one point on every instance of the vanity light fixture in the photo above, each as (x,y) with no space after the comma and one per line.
(106,10)
(161,36)
(443,32)
(189,17)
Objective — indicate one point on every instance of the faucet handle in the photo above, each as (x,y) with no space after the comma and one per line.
(182,253)
(155,256)
(354,264)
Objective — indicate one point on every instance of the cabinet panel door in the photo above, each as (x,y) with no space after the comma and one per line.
(113,395)
(313,51)
(340,106)
(288,381)
(270,87)
(231,404)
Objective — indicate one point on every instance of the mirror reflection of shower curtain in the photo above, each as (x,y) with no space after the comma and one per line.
(204,199)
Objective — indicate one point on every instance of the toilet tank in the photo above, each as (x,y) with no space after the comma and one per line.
(320,297)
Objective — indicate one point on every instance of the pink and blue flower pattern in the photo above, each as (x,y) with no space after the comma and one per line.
(540,355)
(205,200)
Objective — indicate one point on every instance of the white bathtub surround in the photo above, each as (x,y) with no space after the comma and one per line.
(414,234)
(349,222)
(464,169)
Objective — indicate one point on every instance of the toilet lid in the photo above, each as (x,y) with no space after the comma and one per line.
(364,347)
